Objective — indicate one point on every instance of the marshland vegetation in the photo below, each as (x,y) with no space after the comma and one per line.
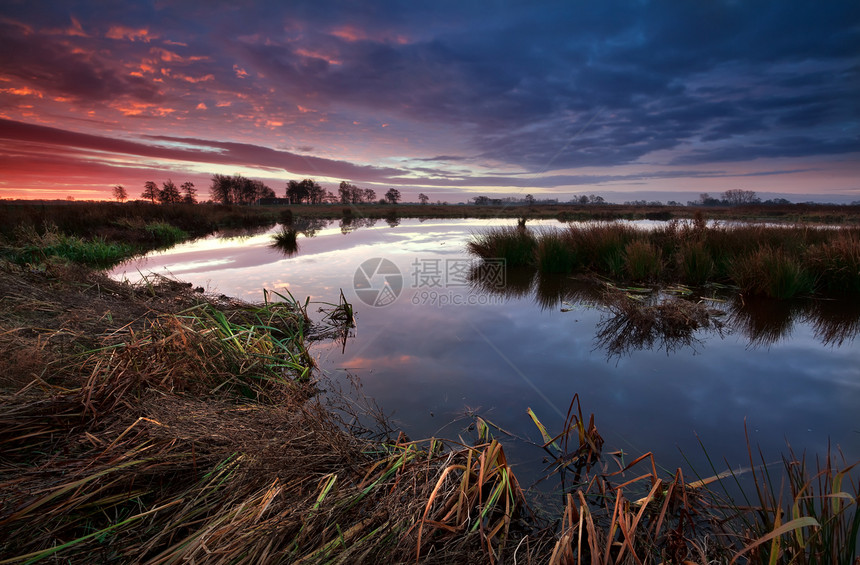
(780,262)
(153,423)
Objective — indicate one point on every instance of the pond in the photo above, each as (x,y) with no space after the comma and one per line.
(434,349)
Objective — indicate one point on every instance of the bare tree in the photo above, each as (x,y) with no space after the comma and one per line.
(150,191)
(190,193)
(120,193)
(345,192)
(392,196)
(169,194)
(239,190)
(222,189)
(423,198)
(738,197)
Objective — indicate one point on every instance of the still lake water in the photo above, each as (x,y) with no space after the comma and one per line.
(444,350)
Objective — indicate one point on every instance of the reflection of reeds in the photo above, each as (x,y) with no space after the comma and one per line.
(286,241)
(834,322)
(635,324)
(669,324)
(515,283)
(766,322)
(554,291)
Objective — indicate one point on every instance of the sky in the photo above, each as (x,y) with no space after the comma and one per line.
(631,100)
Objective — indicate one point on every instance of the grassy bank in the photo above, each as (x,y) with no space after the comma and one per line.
(97,218)
(806,213)
(774,261)
(115,221)
(793,213)
(153,424)
(104,233)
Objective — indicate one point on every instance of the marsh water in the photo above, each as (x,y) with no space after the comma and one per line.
(434,346)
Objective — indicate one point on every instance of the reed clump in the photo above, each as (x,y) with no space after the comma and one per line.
(773,261)
(513,244)
(643,261)
(837,262)
(555,254)
(694,264)
(773,273)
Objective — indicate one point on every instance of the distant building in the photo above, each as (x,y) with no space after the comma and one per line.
(273,201)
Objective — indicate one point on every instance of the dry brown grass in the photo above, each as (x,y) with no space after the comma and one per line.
(152,435)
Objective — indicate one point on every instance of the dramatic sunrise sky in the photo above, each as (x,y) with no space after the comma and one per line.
(453,99)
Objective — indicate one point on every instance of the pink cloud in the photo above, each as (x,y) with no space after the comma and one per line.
(131,34)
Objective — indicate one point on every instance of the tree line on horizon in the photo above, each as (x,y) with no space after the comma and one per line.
(237,189)
(169,193)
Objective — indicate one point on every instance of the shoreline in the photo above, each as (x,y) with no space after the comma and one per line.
(153,423)
(119,400)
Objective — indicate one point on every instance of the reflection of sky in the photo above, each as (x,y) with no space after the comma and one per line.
(428,364)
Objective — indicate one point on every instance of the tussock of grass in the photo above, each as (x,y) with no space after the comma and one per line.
(555,254)
(695,266)
(642,261)
(515,245)
(837,262)
(772,273)
(165,234)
